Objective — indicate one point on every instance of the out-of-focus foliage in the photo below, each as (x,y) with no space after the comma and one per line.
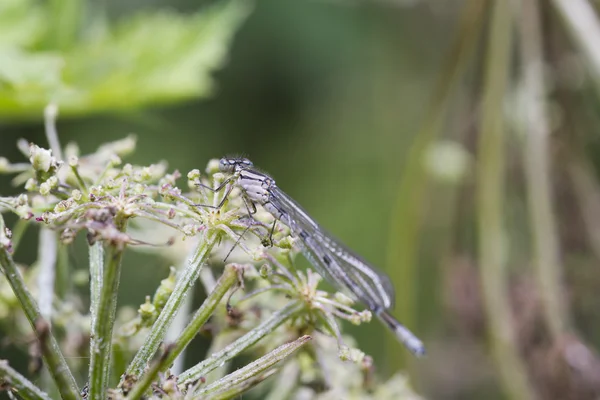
(84,64)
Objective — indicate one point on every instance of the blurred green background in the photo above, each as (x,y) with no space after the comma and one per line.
(332,98)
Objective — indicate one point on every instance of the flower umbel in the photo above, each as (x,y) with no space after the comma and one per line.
(262,294)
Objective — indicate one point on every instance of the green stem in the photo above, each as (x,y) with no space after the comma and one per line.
(142,386)
(490,195)
(103,323)
(50,114)
(47,256)
(408,210)
(53,357)
(186,281)
(537,132)
(96,272)
(224,387)
(241,344)
(80,181)
(227,280)
(96,259)
(18,232)
(20,385)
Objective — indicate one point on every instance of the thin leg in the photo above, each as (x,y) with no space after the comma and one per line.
(217,207)
(218,188)
(250,213)
(236,243)
(269,241)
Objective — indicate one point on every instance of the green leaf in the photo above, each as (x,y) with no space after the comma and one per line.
(148,59)
(21,23)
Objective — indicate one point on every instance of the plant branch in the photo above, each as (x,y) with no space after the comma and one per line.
(142,386)
(17,383)
(221,389)
(51,351)
(241,344)
(96,257)
(102,329)
(228,279)
(47,255)
(185,282)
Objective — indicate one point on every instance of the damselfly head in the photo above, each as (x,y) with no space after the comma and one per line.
(230,164)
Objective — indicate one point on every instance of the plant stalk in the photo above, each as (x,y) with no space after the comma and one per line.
(250,371)
(102,328)
(241,344)
(406,219)
(185,282)
(52,355)
(537,167)
(226,281)
(20,385)
(490,196)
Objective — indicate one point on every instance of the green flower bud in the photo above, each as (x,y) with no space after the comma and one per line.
(127,169)
(343,299)
(139,188)
(193,174)
(147,312)
(76,194)
(4,164)
(115,160)
(212,166)
(265,271)
(164,290)
(41,159)
(45,189)
(31,185)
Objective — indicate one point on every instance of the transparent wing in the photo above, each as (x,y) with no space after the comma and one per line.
(377,283)
(334,261)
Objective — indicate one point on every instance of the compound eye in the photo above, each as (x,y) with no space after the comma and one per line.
(225,165)
(247,163)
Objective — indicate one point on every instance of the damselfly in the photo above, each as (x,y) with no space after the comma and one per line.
(334,261)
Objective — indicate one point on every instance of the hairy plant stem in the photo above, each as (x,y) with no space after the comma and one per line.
(241,344)
(52,355)
(225,282)
(47,255)
(185,282)
(17,383)
(142,386)
(96,257)
(227,386)
(490,196)
(102,328)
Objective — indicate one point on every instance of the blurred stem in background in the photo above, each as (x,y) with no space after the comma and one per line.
(536,131)
(580,18)
(493,241)
(408,211)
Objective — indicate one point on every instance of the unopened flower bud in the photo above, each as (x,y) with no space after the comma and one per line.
(41,159)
